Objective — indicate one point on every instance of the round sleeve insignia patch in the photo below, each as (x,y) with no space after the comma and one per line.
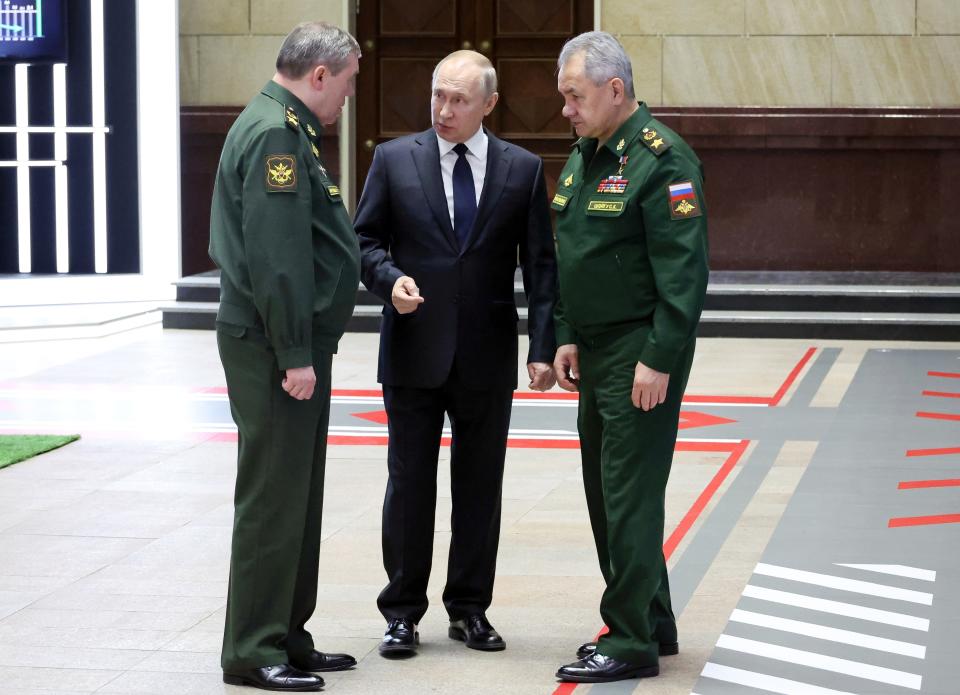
(281,172)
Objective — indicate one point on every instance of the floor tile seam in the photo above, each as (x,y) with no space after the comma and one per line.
(557,486)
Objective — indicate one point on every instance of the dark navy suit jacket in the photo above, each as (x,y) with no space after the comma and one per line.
(468,318)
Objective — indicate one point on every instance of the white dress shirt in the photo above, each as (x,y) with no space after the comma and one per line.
(476,158)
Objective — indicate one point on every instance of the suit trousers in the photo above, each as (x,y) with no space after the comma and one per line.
(627,454)
(480,421)
(278,503)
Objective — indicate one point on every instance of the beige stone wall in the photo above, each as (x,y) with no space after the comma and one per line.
(228,47)
(811,53)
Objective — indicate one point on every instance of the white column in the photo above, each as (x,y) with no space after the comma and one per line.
(159,134)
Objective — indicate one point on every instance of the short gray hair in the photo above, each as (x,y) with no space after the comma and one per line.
(315,43)
(488,75)
(603,58)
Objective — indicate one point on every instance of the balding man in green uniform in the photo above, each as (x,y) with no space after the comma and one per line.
(632,260)
(289,270)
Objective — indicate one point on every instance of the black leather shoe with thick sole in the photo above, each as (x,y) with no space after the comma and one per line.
(400,640)
(318,662)
(282,677)
(477,633)
(666,649)
(598,668)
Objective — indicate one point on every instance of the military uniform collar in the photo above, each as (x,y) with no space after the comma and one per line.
(289,100)
(628,130)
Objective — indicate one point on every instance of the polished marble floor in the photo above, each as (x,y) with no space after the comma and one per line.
(814,489)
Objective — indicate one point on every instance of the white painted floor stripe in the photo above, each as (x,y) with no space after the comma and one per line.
(762,681)
(897,570)
(850,610)
(844,584)
(821,661)
(859,639)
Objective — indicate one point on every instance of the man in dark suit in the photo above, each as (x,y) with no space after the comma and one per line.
(443,218)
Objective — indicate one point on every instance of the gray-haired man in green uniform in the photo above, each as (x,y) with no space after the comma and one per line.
(632,261)
(289,270)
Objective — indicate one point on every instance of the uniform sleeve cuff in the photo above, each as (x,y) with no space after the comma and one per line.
(565,335)
(294,358)
(658,358)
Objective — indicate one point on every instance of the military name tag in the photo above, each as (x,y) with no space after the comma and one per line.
(560,200)
(281,172)
(333,190)
(605,206)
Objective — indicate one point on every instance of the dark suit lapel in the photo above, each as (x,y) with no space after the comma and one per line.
(427,159)
(498,169)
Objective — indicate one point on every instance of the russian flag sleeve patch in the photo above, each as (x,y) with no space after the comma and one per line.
(683,201)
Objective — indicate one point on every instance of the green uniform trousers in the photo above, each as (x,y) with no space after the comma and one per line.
(627,454)
(278,503)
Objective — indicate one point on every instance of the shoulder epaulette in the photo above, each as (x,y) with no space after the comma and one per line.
(291,118)
(655,142)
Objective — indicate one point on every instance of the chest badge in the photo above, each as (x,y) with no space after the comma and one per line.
(616,183)
(621,145)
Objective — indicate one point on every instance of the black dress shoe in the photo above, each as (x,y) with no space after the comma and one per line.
(598,668)
(666,649)
(280,677)
(400,639)
(318,662)
(477,632)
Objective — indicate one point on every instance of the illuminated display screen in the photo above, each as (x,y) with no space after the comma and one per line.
(33,31)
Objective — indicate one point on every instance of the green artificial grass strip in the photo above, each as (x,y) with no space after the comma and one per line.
(15,448)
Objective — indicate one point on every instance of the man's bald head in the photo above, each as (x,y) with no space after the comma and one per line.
(465,62)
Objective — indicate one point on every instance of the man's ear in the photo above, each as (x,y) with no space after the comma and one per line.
(317,76)
(491,102)
(618,90)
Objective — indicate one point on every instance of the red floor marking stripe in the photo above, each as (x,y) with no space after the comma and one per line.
(688,520)
(946,375)
(512,443)
(933,452)
(941,394)
(698,506)
(924,520)
(366,393)
(914,484)
(792,376)
(550,395)
(765,400)
(939,416)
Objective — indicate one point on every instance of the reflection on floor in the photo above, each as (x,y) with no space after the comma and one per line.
(813,494)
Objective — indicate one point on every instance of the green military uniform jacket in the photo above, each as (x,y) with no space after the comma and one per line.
(632,239)
(285,246)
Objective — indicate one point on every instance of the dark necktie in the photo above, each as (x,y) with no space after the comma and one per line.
(464,195)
